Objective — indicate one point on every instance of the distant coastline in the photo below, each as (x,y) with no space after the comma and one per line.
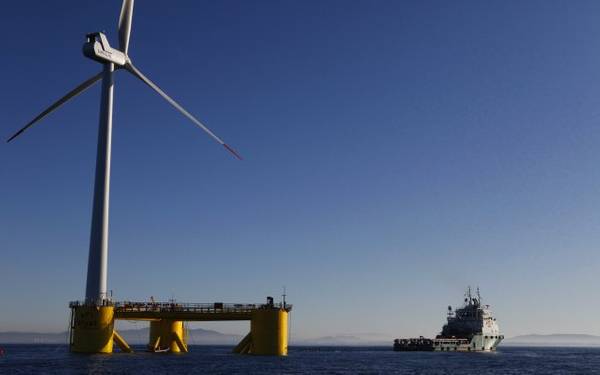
(201,336)
(557,339)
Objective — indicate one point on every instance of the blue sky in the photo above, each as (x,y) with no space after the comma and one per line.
(395,152)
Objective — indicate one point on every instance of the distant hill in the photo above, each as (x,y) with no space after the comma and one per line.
(196,336)
(554,340)
(33,338)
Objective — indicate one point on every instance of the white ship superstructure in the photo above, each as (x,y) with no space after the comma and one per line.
(474,323)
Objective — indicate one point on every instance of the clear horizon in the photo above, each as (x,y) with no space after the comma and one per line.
(394,153)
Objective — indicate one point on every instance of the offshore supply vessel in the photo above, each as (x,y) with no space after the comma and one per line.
(471,328)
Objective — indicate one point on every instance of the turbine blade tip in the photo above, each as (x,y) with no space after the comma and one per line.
(238,156)
(13,137)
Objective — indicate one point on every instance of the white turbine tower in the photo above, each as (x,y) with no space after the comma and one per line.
(97,48)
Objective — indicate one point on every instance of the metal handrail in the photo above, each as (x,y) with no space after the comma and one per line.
(217,307)
(105,302)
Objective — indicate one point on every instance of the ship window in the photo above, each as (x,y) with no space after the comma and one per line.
(486,337)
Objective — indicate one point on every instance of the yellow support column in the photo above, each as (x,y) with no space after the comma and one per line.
(167,334)
(269,332)
(92,329)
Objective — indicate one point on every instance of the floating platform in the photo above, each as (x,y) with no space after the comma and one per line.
(92,326)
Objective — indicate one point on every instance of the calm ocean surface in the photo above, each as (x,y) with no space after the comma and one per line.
(54,359)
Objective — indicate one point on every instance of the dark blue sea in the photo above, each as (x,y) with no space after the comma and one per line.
(55,359)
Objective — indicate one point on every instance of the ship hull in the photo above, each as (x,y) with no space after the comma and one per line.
(478,343)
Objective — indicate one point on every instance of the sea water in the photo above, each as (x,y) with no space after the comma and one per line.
(55,359)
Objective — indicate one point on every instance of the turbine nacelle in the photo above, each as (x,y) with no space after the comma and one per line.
(97,48)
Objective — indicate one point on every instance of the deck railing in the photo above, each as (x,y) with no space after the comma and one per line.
(216,307)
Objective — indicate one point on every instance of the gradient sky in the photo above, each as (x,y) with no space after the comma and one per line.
(395,152)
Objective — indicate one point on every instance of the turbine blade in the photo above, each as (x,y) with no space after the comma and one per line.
(70,95)
(125,25)
(133,70)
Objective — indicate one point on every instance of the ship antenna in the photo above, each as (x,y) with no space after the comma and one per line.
(478,296)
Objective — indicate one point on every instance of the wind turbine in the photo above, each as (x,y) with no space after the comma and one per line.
(97,48)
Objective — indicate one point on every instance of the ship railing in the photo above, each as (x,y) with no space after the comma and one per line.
(455,341)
